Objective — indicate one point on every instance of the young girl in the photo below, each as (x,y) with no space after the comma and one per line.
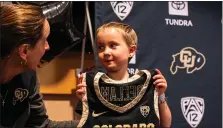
(117,43)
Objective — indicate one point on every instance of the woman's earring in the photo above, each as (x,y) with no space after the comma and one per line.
(23,62)
(130,55)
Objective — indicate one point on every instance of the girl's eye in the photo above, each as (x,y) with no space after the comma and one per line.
(100,47)
(113,45)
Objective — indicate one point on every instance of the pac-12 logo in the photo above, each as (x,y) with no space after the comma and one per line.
(193,110)
(188,58)
(122,9)
(145,110)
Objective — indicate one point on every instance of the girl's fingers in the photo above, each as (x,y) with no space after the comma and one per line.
(161,85)
(158,77)
(158,71)
(81,85)
(80,78)
(159,81)
(80,91)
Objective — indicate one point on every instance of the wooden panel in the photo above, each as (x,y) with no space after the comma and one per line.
(59,76)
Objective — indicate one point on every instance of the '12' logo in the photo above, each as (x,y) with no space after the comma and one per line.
(193,110)
(122,9)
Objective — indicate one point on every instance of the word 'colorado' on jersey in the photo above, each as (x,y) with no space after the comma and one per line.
(141,125)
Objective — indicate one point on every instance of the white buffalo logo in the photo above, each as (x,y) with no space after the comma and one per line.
(188,58)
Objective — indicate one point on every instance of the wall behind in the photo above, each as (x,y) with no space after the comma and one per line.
(58,83)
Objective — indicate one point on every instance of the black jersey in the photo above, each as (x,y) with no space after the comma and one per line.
(114,104)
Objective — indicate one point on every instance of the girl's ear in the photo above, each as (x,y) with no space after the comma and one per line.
(132,50)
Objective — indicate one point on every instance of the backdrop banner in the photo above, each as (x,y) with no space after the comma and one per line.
(184,41)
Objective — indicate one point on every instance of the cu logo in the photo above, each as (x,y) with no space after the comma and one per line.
(178,5)
(188,58)
(19,95)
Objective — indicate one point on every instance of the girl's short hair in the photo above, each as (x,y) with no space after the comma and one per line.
(128,33)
